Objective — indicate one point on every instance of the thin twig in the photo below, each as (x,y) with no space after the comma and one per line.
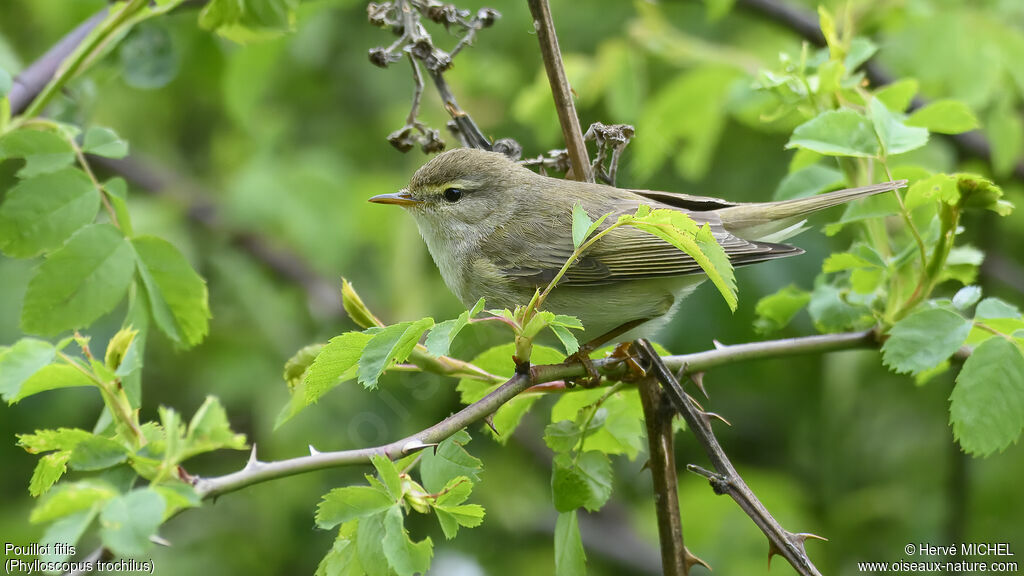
(564,105)
(727,481)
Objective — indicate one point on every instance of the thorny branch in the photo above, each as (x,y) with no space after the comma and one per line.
(403,18)
(612,367)
(676,559)
(726,480)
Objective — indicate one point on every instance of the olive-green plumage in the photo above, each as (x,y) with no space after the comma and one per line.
(499,231)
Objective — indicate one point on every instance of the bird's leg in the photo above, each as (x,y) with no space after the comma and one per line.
(593,377)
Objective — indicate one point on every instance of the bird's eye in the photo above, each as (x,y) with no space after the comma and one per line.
(453,194)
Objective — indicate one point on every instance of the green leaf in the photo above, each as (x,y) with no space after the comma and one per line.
(177,294)
(562,436)
(679,230)
(831,311)
(980,192)
(65,499)
(966,297)
(43,151)
(249,20)
(48,470)
(390,345)
(47,440)
(405,556)
(896,137)
(989,308)
(80,282)
(343,504)
(370,545)
(498,360)
(129,520)
(580,225)
(342,560)
(450,511)
(940,187)
(104,142)
(622,430)
(52,377)
(898,95)
(66,532)
(585,481)
(837,133)
(210,430)
(986,407)
(443,334)
(861,49)
(570,559)
(177,496)
(450,460)
(924,339)
(945,117)
(776,311)
(568,340)
(388,474)
(335,364)
(21,361)
(117,193)
(97,453)
(40,213)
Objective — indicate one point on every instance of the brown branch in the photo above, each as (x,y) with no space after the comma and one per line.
(727,480)
(566,108)
(662,462)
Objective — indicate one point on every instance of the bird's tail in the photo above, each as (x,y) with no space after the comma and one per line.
(765,220)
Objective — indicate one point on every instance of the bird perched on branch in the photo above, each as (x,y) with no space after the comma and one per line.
(499,231)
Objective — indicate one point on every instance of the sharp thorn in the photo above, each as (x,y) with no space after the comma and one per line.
(415,446)
(313,451)
(252,462)
(695,403)
(157,539)
(709,415)
(698,380)
(718,345)
(646,466)
(772,551)
(489,420)
(691,559)
(802,537)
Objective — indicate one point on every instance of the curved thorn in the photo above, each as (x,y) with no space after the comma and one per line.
(698,380)
(415,446)
(709,415)
(313,451)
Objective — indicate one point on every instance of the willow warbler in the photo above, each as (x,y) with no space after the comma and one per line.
(499,231)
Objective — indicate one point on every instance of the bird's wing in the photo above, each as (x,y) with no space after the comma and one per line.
(687,202)
(626,253)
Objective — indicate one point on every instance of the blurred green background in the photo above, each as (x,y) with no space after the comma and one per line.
(286,139)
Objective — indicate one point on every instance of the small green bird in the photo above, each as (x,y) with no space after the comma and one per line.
(499,231)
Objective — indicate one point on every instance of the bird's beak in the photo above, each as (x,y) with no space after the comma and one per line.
(401,198)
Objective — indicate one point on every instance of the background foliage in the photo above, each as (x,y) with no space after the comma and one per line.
(285,138)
